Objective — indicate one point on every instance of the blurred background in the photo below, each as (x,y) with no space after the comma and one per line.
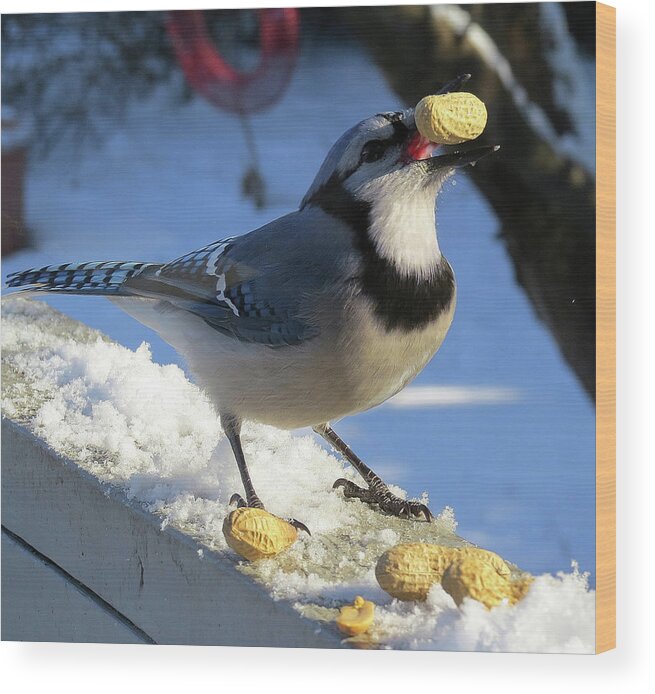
(143,135)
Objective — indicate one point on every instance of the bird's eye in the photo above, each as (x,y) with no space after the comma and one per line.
(372,151)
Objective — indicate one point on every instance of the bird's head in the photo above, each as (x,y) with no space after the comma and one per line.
(381,178)
(385,155)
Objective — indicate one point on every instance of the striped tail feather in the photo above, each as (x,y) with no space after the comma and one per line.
(101,278)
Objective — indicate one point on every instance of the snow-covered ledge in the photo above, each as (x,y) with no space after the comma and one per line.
(115,484)
(150,584)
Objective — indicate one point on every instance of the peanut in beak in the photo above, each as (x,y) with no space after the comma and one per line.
(450,119)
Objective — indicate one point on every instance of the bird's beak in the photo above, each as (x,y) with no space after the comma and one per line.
(420,150)
(456,160)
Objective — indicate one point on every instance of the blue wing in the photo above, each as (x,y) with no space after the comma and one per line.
(249,287)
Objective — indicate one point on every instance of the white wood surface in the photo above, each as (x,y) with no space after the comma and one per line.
(40,603)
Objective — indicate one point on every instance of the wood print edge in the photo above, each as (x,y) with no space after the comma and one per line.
(605,327)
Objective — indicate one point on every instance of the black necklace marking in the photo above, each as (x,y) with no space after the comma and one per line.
(400,301)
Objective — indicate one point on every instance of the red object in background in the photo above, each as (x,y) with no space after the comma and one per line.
(220,83)
(15,140)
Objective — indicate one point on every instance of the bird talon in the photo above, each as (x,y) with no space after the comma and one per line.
(298,525)
(378,494)
(352,491)
(241,503)
(416,510)
(238,500)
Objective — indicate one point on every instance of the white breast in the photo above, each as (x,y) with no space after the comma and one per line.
(383,362)
(402,228)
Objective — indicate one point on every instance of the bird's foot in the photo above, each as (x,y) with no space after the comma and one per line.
(238,501)
(255,502)
(378,494)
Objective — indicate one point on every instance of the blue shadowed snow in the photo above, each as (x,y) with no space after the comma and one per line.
(520,475)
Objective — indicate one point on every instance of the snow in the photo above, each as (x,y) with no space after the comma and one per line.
(557,616)
(447,396)
(145,428)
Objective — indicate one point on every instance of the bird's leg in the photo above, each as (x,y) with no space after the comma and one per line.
(377,492)
(232,428)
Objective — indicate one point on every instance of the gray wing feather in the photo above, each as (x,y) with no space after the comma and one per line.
(264,287)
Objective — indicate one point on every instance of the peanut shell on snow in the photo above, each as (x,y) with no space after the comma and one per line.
(257,534)
(473,577)
(356,618)
(408,571)
(519,589)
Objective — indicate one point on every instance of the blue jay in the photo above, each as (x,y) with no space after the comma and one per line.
(323,313)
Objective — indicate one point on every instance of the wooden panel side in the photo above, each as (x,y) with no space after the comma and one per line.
(605,327)
(40,604)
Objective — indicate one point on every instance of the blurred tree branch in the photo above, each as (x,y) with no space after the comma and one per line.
(545,201)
